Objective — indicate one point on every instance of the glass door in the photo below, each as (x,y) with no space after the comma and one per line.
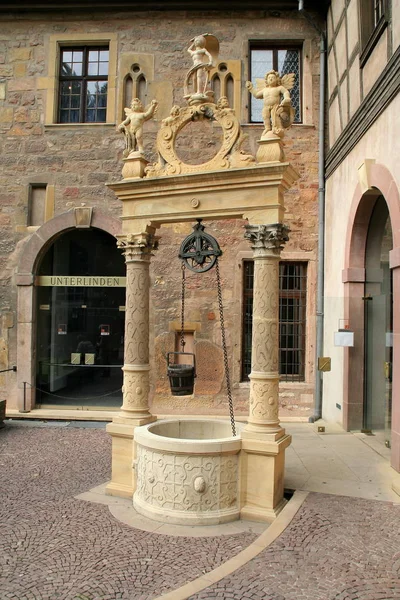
(80,322)
(378,325)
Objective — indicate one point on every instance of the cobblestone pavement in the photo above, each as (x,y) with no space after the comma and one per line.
(53,546)
(336,548)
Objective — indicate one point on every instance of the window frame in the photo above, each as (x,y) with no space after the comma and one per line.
(85,78)
(50,83)
(299,323)
(370,28)
(275,46)
(247,294)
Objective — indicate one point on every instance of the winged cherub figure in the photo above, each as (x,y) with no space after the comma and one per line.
(278,112)
(132,127)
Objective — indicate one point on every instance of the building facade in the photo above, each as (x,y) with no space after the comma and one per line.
(362,266)
(65,79)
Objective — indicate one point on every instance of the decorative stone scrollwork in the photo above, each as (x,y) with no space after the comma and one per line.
(186,483)
(267,237)
(228,156)
(265,346)
(263,405)
(136,389)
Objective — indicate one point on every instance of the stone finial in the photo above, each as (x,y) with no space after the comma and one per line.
(278,113)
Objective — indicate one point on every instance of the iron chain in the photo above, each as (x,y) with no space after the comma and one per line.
(224,348)
(182,336)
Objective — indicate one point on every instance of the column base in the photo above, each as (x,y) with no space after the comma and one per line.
(123,454)
(266,515)
(121,419)
(262,476)
(259,432)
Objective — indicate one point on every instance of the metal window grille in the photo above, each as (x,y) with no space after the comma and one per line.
(292,319)
(83,85)
(248,285)
(282,59)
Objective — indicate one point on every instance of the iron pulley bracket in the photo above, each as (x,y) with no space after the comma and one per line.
(199,250)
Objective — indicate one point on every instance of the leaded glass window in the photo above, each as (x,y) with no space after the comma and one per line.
(83,85)
(277,58)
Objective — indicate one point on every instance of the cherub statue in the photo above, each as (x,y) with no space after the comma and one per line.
(278,112)
(132,127)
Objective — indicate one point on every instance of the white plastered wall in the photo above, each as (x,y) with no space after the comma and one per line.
(381,143)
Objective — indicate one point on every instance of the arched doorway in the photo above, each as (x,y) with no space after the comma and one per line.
(378,325)
(80,304)
(371,280)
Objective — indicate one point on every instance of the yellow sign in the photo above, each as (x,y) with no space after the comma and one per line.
(324,363)
(86,281)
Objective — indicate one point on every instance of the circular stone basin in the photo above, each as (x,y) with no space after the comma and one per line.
(187,471)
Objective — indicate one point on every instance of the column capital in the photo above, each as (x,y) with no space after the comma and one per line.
(136,247)
(267,239)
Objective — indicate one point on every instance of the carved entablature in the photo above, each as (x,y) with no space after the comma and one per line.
(229,155)
(267,237)
(137,246)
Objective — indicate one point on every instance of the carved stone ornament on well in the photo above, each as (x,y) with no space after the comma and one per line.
(229,155)
(201,107)
(247,478)
(277,114)
(270,238)
(267,242)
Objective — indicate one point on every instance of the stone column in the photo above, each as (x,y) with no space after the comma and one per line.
(135,407)
(137,251)
(267,242)
(263,439)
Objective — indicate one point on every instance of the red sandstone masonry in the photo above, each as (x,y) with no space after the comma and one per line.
(81,160)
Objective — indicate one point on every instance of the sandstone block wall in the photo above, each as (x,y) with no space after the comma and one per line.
(78,160)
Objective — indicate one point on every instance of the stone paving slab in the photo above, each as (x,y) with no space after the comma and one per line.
(53,546)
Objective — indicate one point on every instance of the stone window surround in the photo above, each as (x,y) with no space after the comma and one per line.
(310,259)
(35,247)
(375,177)
(38,180)
(306,87)
(51,82)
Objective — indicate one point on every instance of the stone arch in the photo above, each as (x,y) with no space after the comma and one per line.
(375,180)
(43,237)
(32,252)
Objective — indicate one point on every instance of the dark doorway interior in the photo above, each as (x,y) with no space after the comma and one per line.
(80,322)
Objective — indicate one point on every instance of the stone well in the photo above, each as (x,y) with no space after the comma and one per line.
(187,472)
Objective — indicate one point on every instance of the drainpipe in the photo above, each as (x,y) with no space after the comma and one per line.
(319,347)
